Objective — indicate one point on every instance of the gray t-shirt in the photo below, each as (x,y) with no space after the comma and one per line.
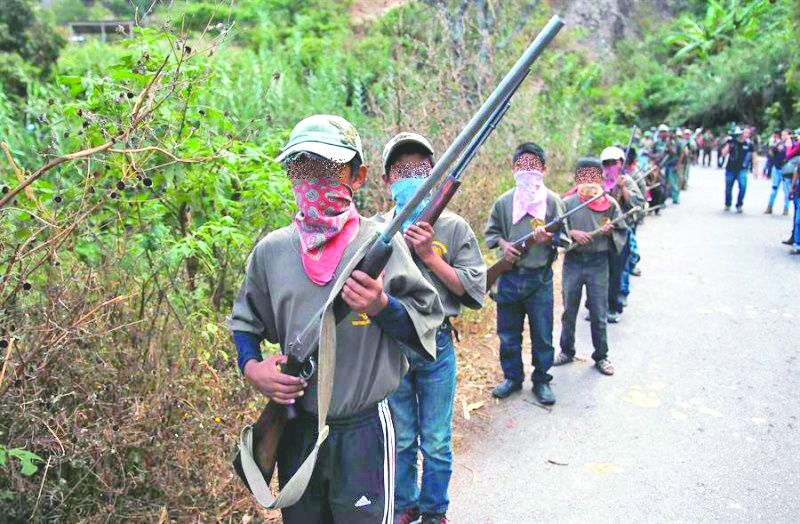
(500,226)
(277,300)
(636,199)
(588,220)
(455,241)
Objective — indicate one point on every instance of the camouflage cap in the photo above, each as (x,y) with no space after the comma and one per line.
(328,136)
(401,139)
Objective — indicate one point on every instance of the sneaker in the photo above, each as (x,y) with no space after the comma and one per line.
(795,251)
(543,393)
(563,358)
(636,271)
(434,518)
(788,241)
(727,208)
(605,367)
(505,388)
(409,516)
(739,210)
(614,317)
(768,211)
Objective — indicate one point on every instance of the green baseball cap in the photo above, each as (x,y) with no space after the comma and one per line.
(401,139)
(328,136)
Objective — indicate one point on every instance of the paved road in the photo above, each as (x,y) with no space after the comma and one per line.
(701,422)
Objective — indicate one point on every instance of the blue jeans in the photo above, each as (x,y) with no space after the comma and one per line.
(777,182)
(522,292)
(739,177)
(633,259)
(673,179)
(590,270)
(423,411)
(797,222)
(616,273)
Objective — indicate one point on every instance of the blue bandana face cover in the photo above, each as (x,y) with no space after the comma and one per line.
(402,191)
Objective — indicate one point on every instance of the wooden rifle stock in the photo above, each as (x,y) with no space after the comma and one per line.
(522,244)
(440,200)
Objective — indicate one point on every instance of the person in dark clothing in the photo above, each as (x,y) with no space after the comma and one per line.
(739,151)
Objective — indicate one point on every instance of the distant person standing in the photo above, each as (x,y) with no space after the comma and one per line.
(739,150)
(707,143)
(775,160)
(721,142)
(667,154)
(772,142)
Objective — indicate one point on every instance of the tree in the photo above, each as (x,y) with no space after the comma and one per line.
(25,37)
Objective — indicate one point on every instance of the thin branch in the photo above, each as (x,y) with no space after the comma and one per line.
(162,151)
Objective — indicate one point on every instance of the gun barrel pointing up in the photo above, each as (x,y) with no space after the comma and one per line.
(499,96)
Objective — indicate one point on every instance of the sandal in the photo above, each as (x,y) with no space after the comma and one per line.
(605,367)
(562,359)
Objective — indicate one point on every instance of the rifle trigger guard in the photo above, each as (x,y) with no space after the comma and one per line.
(309,368)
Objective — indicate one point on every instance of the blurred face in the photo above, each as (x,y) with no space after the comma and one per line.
(529,162)
(746,133)
(306,167)
(663,135)
(409,165)
(784,135)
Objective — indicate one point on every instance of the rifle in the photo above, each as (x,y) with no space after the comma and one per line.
(522,244)
(267,431)
(643,174)
(630,143)
(448,188)
(594,234)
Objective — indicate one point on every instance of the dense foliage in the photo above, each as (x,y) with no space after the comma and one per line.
(136,175)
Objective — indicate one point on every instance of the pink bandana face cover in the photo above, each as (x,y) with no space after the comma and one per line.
(610,174)
(327,221)
(530,195)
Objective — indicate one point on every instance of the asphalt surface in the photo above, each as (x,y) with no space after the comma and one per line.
(701,422)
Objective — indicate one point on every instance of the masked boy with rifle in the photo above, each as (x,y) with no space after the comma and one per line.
(627,194)
(448,255)
(588,264)
(288,279)
(528,288)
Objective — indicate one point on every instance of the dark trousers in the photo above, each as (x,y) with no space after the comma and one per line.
(616,272)
(590,270)
(353,479)
(707,155)
(522,292)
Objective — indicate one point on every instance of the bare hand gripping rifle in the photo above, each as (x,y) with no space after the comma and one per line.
(522,244)
(599,231)
(301,350)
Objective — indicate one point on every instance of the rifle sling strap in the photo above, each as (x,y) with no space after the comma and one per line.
(326,366)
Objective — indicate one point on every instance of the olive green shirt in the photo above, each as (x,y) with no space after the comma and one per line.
(500,226)
(277,300)
(456,243)
(588,220)
(636,199)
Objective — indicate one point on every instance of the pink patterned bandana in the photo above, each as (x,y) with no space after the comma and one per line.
(530,196)
(610,174)
(327,221)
